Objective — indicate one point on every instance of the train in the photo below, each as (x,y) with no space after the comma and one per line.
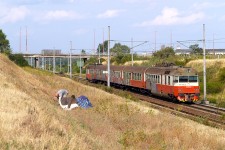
(176,83)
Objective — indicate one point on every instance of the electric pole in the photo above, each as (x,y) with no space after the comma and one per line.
(108,81)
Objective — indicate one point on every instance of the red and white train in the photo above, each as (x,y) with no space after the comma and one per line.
(174,82)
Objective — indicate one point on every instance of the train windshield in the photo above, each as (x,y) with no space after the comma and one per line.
(188,78)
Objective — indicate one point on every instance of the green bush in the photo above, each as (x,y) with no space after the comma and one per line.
(180,63)
(214,87)
(222,74)
(213,100)
(18,59)
(221,104)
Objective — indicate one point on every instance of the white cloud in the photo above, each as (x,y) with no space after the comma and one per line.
(60,15)
(110,13)
(171,16)
(13,14)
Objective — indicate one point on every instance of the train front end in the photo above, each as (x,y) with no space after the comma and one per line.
(186,85)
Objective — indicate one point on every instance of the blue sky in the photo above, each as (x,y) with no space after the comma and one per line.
(54,23)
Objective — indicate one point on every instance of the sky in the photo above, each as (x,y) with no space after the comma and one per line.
(34,25)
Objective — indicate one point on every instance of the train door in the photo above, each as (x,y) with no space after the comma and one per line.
(111,76)
(97,74)
(126,78)
(153,83)
(169,84)
(92,73)
(148,81)
(168,80)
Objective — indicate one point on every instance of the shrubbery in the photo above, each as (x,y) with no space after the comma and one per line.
(222,74)
(18,59)
(214,87)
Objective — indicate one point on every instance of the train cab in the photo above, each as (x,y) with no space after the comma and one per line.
(181,83)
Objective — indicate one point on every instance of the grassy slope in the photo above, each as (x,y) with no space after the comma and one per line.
(30,119)
(213,66)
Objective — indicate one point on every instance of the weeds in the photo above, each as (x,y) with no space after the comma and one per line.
(221,104)
(222,116)
(130,138)
(31,120)
(203,120)
(179,108)
(108,89)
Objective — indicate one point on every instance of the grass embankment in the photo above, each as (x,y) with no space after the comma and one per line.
(215,78)
(30,119)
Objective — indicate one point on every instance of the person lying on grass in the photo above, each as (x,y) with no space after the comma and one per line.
(68,103)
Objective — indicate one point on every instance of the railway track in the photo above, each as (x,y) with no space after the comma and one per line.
(206,114)
(209,115)
(210,108)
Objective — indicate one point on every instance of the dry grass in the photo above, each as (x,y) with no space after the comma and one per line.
(210,63)
(30,119)
(138,62)
(198,64)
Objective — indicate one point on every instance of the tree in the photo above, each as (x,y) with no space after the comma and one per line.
(103,49)
(92,60)
(83,51)
(195,49)
(121,53)
(118,49)
(164,53)
(4,44)
(18,59)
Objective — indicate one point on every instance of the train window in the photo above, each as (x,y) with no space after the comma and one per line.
(127,75)
(147,76)
(134,76)
(91,71)
(165,80)
(111,73)
(183,79)
(97,72)
(193,78)
(117,74)
(168,80)
(175,79)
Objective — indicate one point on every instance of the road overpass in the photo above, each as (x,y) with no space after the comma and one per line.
(50,62)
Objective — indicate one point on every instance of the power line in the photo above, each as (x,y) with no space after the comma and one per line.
(126,41)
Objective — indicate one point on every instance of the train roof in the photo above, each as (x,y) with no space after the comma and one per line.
(184,71)
(170,70)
